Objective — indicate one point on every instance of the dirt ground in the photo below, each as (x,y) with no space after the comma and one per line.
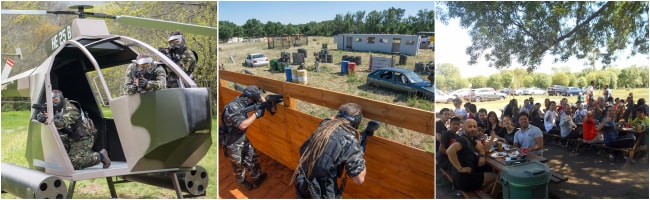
(591,176)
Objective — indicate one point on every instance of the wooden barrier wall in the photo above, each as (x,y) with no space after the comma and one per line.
(394,170)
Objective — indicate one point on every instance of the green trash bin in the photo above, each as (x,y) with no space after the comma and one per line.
(525,181)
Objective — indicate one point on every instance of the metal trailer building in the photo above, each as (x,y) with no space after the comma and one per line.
(387,43)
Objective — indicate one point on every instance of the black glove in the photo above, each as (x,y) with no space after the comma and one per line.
(41,117)
(259,110)
(142,83)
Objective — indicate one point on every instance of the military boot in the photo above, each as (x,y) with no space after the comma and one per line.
(103,154)
(259,181)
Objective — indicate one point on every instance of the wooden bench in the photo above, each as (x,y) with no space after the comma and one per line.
(557,178)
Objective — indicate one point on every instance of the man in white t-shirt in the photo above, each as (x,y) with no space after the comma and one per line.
(550,117)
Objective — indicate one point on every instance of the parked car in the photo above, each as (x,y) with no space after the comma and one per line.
(401,80)
(507,91)
(533,91)
(460,93)
(519,91)
(256,59)
(442,97)
(574,91)
(483,94)
(556,90)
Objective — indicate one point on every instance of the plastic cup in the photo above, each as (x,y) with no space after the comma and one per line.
(524,151)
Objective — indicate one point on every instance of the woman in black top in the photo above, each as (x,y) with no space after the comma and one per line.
(466,156)
(493,123)
(507,134)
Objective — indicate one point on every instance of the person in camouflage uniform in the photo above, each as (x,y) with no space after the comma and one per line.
(232,136)
(142,76)
(78,145)
(329,150)
(181,55)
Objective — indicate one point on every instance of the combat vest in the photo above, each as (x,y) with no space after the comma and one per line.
(84,126)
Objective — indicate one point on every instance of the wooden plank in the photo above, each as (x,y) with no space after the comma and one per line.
(410,118)
(394,170)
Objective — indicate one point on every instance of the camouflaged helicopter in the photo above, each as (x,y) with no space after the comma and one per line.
(154,138)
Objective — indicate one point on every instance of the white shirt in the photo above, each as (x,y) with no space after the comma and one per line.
(590,90)
(549,120)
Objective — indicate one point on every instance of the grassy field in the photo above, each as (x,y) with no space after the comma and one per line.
(14,138)
(329,79)
(498,105)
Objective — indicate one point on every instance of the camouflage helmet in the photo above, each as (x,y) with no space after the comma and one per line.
(352,112)
(176,35)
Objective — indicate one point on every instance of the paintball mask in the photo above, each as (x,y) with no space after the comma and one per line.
(176,41)
(145,63)
(355,121)
(57,99)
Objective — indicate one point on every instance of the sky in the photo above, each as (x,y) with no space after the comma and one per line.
(302,12)
(452,40)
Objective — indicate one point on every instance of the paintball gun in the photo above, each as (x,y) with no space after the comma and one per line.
(169,52)
(271,101)
(39,107)
(40,110)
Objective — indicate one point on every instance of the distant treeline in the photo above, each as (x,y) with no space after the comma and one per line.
(390,21)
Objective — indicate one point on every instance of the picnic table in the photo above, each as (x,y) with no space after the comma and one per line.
(638,144)
(497,160)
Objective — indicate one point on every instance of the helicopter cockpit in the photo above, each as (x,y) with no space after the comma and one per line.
(163,130)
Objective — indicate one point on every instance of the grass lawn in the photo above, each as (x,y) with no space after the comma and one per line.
(14,138)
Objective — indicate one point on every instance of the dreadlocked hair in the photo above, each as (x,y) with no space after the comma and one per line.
(317,143)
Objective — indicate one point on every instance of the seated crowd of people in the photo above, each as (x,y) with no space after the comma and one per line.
(463,134)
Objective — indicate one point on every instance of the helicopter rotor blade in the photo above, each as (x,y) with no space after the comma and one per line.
(167,25)
(23,12)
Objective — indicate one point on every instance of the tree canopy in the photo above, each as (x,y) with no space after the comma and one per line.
(527,30)
(448,77)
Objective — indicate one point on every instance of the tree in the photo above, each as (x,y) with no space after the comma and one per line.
(560,79)
(528,81)
(226,30)
(253,28)
(448,77)
(478,81)
(542,80)
(525,31)
(494,81)
(374,22)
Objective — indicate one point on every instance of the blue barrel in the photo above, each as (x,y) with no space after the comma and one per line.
(287,72)
(344,67)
